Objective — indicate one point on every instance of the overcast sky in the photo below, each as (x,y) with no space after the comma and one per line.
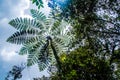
(10,9)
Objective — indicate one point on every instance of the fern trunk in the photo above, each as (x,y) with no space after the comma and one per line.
(56,56)
(57,59)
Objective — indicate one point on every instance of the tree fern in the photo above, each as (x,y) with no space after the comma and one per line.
(41,37)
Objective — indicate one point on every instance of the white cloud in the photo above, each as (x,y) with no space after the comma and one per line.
(7,56)
(11,56)
(33,72)
(25,4)
(3,21)
(21,7)
(46,9)
(3,24)
(14,8)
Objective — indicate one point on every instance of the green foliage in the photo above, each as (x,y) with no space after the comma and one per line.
(38,3)
(21,37)
(73,9)
(82,64)
(95,25)
(15,73)
(92,18)
(38,15)
(23,24)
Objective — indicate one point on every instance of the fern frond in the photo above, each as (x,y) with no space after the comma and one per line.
(59,44)
(21,37)
(49,23)
(23,51)
(32,58)
(58,28)
(27,48)
(55,46)
(59,40)
(55,28)
(43,62)
(38,15)
(40,57)
(55,25)
(36,54)
(23,24)
(44,57)
(42,66)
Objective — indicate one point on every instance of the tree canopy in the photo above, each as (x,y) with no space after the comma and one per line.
(81,64)
(96,23)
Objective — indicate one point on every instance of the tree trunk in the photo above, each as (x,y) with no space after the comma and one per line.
(55,54)
(57,58)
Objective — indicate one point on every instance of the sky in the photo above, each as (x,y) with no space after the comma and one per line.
(10,9)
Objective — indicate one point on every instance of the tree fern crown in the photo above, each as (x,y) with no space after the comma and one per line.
(37,34)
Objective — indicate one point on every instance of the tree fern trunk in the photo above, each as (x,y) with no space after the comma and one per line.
(57,58)
(55,55)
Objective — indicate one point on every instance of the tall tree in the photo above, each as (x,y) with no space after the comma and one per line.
(90,18)
(96,23)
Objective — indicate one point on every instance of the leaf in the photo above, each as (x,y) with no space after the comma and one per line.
(23,51)
(38,15)
(38,3)
(106,16)
(32,58)
(33,1)
(23,24)
(21,37)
